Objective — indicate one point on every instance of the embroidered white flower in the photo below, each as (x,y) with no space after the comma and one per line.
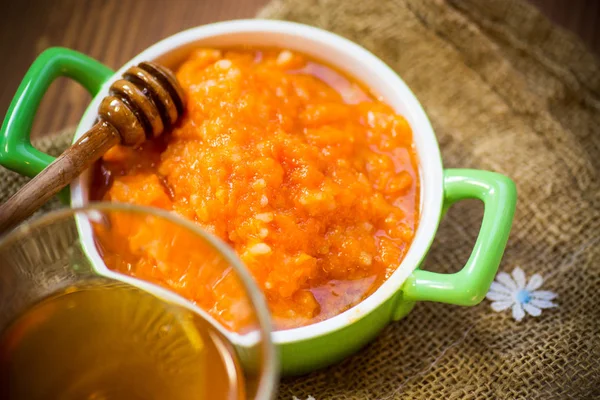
(522,296)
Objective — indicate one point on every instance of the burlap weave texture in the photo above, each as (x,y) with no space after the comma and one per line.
(506,91)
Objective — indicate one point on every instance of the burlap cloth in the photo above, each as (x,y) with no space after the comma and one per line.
(506,91)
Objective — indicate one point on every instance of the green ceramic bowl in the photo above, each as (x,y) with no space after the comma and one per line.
(314,346)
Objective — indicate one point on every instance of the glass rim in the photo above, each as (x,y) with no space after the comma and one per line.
(268,380)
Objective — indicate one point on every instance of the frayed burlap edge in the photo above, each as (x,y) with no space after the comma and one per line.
(507,91)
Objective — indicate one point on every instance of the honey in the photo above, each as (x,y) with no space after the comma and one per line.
(101,342)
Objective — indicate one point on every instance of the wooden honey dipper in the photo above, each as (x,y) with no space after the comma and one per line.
(142,105)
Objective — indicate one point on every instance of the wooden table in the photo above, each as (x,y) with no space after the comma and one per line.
(112,31)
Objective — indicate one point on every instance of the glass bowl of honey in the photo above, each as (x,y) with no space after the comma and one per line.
(71,328)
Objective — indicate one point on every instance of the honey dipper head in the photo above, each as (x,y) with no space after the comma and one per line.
(142,105)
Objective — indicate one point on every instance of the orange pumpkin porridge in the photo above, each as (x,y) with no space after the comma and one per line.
(309,177)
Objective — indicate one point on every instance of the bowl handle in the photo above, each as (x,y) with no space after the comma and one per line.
(16,151)
(470,285)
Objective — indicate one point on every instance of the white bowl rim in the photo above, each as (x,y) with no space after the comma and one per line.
(430,163)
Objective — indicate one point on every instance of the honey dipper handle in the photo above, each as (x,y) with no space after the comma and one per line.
(59,174)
